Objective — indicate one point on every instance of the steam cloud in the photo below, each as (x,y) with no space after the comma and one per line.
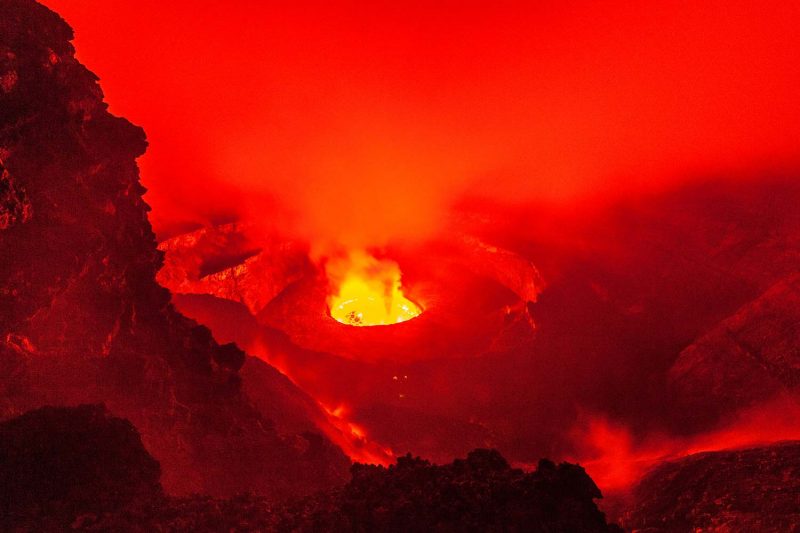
(353,126)
(361,124)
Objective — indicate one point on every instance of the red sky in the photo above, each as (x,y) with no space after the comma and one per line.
(359,122)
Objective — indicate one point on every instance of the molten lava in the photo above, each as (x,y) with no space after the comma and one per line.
(368,291)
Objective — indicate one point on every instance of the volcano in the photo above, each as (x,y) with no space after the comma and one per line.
(399,268)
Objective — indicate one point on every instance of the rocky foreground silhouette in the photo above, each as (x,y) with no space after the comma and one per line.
(86,469)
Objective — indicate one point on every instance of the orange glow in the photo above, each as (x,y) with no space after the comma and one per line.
(348,126)
(353,440)
(368,292)
(350,437)
(616,459)
(384,106)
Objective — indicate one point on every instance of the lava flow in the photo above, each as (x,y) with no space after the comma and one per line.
(368,291)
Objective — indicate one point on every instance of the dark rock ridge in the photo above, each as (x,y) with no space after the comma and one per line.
(81,468)
(82,319)
(746,490)
(479,493)
(58,462)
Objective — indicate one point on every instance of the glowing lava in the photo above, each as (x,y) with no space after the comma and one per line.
(368,291)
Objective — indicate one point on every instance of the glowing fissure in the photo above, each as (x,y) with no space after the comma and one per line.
(353,440)
(349,436)
(368,291)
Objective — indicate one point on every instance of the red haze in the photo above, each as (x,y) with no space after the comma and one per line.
(360,123)
(356,125)
(615,458)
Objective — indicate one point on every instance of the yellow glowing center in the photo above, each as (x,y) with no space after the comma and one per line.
(371,296)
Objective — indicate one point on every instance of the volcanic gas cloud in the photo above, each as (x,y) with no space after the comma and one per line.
(572,229)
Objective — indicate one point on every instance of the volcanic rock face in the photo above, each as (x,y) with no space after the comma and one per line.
(220,261)
(751,356)
(58,463)
(16,208)
(82,318)
(748,490)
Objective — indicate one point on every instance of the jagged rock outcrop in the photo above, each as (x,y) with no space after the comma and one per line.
(746,490)
(479,493)
(221,261)
(82,468)
(82,319)
(57,463)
